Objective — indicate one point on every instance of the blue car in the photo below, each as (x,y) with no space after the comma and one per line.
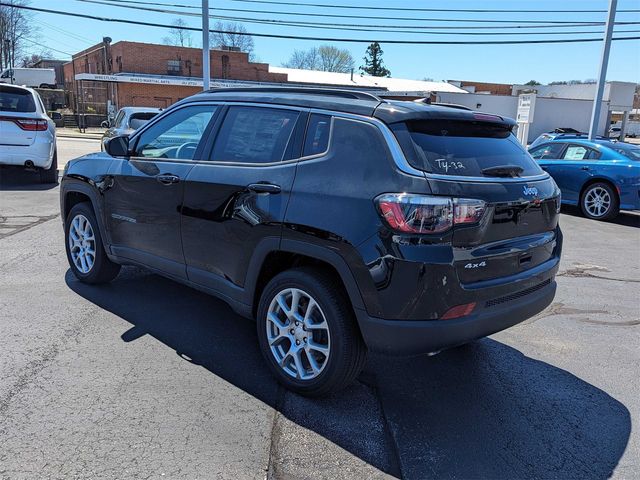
(602,177)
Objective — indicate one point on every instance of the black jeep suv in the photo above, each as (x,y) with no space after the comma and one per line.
(339,221)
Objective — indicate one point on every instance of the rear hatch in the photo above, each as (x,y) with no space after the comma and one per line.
(18,116)
(480,158)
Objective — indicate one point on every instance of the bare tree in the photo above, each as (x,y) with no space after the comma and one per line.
(325,58)
(30,60)
(236,36)
(178,36)
(15,28)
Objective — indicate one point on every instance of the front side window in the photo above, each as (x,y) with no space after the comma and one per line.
(254,135)
(318,131)
(548,151)
(578,152)
(176,135)
(6,74)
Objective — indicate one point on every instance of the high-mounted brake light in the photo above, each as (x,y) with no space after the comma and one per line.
(424,214)
(29,124)
(485,117)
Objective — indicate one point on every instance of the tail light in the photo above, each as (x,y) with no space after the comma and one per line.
(423,214)
(31,125)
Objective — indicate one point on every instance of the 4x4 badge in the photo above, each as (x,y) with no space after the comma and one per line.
(530,191)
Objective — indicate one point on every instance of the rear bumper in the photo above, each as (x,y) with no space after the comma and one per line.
(40,152)
(414,337)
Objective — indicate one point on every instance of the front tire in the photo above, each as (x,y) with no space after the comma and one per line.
(308,334)
(85,251)
(599,201)
(50,175)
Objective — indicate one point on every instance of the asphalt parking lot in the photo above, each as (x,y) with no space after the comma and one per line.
(145,378)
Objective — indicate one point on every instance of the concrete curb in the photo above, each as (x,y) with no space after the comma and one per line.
(79,135)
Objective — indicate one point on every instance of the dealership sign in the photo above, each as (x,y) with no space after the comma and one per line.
(154,80)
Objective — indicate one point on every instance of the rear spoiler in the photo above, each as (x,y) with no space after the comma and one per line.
(394,113)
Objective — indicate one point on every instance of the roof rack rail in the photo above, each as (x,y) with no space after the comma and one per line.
(334,92)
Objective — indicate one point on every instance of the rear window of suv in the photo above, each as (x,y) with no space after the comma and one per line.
(16,100)
(463,148)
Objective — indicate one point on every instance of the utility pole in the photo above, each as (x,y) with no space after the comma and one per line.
(206,65)
(604,62)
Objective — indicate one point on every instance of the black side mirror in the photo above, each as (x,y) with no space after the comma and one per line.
(117,146)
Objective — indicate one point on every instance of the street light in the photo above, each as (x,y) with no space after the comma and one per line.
(206,67)
(602,77)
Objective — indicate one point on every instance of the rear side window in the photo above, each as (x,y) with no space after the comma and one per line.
(254,135)
(16,100)
(318,131)
(466,148)
(136,120)
(578,152)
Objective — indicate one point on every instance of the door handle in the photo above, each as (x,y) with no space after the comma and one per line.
(264,188)
(167,178)
(584,168)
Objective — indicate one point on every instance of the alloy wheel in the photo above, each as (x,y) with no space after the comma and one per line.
(82,243)
(298,334)
(597,202)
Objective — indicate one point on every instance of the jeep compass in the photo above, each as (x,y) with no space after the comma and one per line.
(342,223)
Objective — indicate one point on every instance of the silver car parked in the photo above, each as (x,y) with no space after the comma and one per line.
(128,120)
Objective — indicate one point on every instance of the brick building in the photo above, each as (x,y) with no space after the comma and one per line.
(142,74)
(483,87)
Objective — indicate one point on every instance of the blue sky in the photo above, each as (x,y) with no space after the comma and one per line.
(490,63)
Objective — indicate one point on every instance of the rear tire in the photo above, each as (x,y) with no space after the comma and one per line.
(50,175)
(312,345)
(85,251)
(599,201)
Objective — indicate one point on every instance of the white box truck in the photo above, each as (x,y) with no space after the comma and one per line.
(632,129)
(30,77)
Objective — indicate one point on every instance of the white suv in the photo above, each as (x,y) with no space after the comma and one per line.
(27,134)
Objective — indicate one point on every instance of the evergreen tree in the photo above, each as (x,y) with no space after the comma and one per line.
(373,64)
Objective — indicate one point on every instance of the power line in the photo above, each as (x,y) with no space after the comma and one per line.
(550,23)
(413,9)
(40,44)
(339,26)
(322,39)
(66,32)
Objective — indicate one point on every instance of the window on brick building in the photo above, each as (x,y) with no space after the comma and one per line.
(225,66)
(174,67)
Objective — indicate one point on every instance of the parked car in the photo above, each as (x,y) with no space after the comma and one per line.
(601,177)
(128,120)
(339,221)
(562,133)
(29,77)
(27,134)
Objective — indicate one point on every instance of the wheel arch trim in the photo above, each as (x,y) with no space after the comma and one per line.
(274,245)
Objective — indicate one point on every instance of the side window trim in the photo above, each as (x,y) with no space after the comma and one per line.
(133,143)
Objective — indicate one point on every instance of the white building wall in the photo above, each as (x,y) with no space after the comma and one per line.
(550,113)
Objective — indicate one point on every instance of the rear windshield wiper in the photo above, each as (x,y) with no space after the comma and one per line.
(503,171)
